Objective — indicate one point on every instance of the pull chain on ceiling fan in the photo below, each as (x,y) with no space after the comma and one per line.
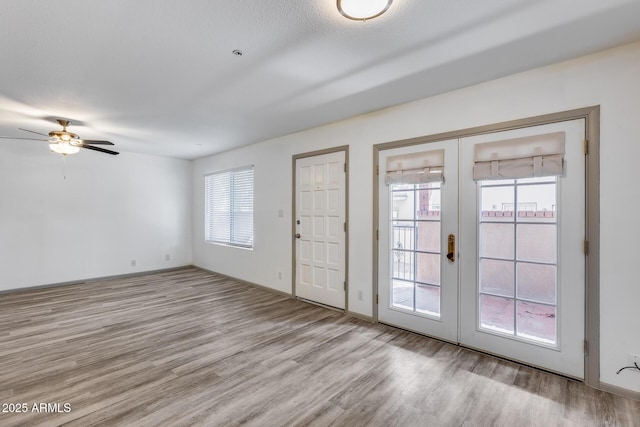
(65,142)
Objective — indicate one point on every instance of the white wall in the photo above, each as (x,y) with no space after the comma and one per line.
(108,211)
(609,79)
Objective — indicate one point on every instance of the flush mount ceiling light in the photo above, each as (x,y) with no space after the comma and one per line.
(362,10)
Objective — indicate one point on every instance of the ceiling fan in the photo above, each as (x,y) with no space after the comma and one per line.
(64,142)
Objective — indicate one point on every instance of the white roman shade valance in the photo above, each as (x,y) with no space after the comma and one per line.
(528,157)
(415,168)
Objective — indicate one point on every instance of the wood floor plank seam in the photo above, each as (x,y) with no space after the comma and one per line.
(190,347)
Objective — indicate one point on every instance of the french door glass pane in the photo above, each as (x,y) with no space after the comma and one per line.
(536,202)
(402,265)
(403,204)
(428,299)
(498,203)
(403,235)
(428,235)
(517,287)
(496,277)
(496,240)
(536,322)
(537,242)
(537,282)
(415,245)
(428,268)
(402,294)
(497,313)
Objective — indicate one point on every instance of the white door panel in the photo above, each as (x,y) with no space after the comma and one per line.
(320,210)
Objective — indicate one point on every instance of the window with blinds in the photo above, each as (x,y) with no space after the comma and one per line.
(229,207)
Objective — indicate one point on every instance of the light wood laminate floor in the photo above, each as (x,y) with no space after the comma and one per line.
(192,348)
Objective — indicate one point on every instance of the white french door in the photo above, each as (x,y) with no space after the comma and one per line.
(418,286)
(523,289)
(516,285)
(321,229)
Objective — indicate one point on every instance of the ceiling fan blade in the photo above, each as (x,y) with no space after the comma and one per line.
(102,150)
(32,131)
(92,142)
(26,139)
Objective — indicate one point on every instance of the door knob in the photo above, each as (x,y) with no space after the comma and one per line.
(297,235)
(451,248)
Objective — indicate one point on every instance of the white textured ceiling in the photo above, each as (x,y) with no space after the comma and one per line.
(159,76)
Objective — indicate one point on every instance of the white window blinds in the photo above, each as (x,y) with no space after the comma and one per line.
(528,157)
(229,207)
(415,168)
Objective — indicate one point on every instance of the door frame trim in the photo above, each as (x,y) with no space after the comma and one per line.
(591,115)
(294,181)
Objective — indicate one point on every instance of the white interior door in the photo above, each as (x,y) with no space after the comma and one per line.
(522,276)
(418,285)
(516,286)
(321,229)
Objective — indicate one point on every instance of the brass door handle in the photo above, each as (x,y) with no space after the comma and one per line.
(451,248)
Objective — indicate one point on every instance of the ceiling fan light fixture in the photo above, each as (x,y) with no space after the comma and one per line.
(64,142)
(64,148)
(363,10)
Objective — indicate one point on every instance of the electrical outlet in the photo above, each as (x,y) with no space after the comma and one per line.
(167,257)
(280,275)
(133,263)
(360,295)
(634,358)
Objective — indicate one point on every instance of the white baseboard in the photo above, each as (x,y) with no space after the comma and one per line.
(93,279)
(620,391)
(246,282)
